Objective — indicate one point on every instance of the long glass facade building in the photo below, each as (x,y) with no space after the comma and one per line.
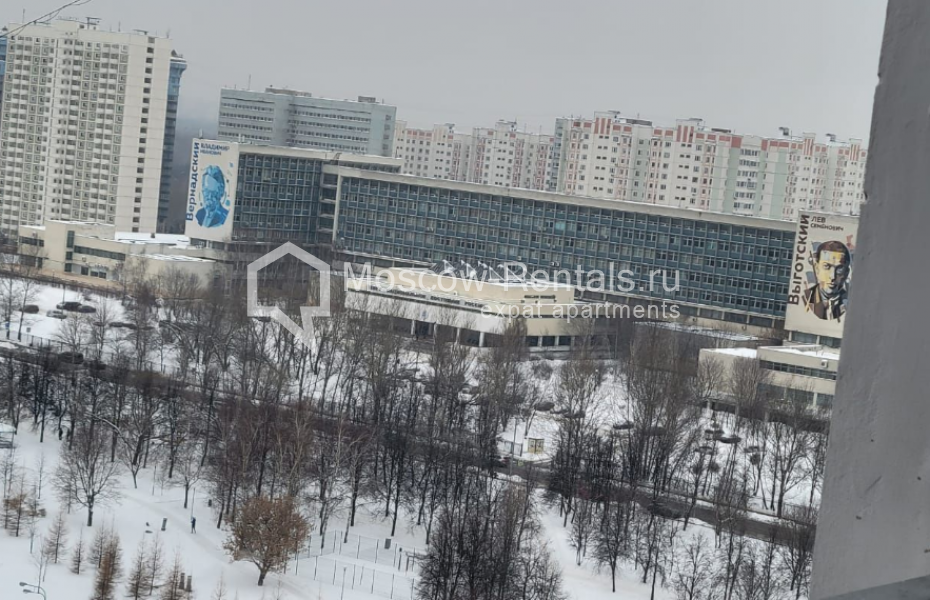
(728,268)
(360,209)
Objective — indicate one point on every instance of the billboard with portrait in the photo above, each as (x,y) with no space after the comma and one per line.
(211,195)
(821,274)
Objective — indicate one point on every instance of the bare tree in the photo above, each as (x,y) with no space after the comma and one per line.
(612,543)
(173,588)
(78,555)
(56,540)
(135,584)
(582,529)
(109,571)
(154,565)
(577,404)
(796,552)
(265,532)
(789,434)
(219,592)
(85,473)
(693,575)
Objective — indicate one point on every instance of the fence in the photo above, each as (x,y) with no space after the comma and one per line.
(360,547)
(334,559)
(57,345)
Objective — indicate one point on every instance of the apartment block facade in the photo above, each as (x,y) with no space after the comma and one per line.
(502,155)
(84,115)
(693,166)
(3,46)
(280,117)
(429,152)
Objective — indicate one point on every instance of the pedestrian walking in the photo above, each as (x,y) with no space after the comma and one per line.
(193,524)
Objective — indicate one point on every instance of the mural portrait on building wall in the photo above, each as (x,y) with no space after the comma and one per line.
(827,297)
(215,201)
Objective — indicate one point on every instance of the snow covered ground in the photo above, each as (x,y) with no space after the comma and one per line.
(137,518)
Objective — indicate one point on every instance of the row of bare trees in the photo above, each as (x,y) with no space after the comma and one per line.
(195,392)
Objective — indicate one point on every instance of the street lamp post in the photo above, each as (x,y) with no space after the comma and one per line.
(36,589)
(343,593)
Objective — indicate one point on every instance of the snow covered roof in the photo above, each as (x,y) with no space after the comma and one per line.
(707,331)
(480,272)
(809,350)
(181,241)
(742,352)
(176,258)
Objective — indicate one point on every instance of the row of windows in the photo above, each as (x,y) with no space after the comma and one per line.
(118,256)
(803,397)
(412,197)
(798,370)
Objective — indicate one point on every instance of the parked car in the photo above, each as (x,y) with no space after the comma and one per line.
(657,507)
(57,314)
(501,461)
(31,309)
(123,325)
(86,309)
(69,306)
(74,358)
(96,365)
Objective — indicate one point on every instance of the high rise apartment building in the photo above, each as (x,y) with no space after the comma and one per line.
(177,68)
(3,45)
(501,155)
(693,166)
(84,117)
(688,165)
(428,152)
(279,117)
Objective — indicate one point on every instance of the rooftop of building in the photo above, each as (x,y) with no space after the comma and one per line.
(554,197)
(76,24)
(784,133)
(301,94)
(811,350)
(732,336)
(480,271)
(180,241)
(103,231)
(740,352)
(177,258)
(312,153)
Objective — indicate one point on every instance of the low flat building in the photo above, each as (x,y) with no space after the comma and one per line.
(478,303)
(97,251)
(801,373)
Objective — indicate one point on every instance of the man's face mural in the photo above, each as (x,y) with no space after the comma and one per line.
(214,188)
(832,270)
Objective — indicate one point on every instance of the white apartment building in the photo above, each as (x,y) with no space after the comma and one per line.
(425,152)
(282,117)
(693,166)
(501,155)
(83,126)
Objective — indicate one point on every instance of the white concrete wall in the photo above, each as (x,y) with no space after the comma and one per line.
(873,536)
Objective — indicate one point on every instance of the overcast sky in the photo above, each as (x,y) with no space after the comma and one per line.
(750,65)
